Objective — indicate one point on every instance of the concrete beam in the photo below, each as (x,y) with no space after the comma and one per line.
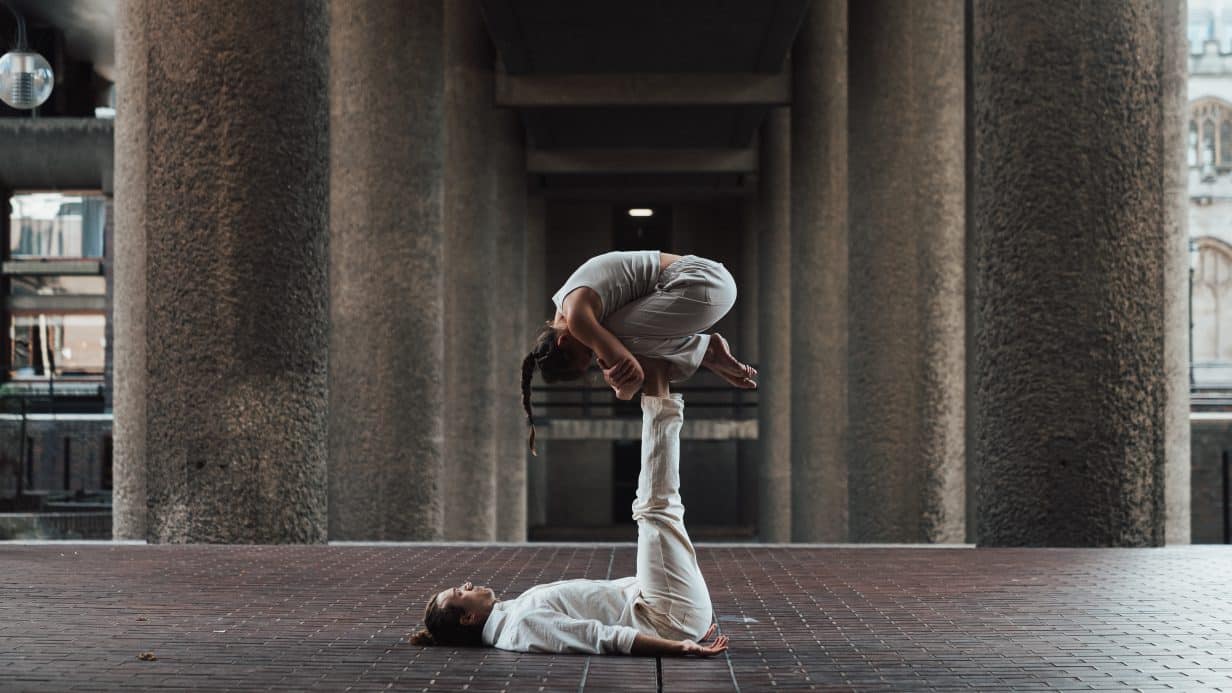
(56,153)
(57,303)
(600,161)
(666,193)
(668,89)
(55,267)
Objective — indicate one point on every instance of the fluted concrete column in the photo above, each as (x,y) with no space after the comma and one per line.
(1073,237)
(471,306)
(819,276)
(1174,74)
(509,176)
(537,302)
(221,263)
(774,323)
(386,386)
(906,271)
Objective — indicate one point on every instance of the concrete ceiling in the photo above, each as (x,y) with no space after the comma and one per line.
(652,75)
(686,75)
(88,26)
(568,36)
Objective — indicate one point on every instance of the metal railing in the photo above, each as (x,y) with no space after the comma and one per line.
(708,396)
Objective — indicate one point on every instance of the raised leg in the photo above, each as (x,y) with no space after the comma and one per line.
(673,588)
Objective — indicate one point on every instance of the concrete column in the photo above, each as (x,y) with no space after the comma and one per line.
(819,276)
(538,303)
(471,303)
(906,272)
(386,266)
(509,177)
(1074,252)
(774,323)
(221,271)
(109,283)
(748,452)
(1174,83)
(6,343)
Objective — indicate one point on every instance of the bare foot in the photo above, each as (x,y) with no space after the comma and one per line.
(719,359)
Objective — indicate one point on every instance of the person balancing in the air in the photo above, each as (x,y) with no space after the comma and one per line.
(621,308)
(662,610)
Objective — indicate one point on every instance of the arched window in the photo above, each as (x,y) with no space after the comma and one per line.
(1225,143)
(1208,142)
(1212,312)
(1192,155)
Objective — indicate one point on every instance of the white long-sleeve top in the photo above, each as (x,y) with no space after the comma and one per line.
(584,616)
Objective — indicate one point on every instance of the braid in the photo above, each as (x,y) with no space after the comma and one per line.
(423,638)
(528,372)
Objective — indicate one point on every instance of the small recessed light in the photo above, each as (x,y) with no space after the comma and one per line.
(641,212)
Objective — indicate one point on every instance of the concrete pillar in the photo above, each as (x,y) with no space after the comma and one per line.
(906,272)
(774,323)
(748,451)
(6,282)
(1174,83)
(471,304)
(819,276)
(1073,255)
(109,283)
(386,266)
(538,304)
(509,295)
(221,271)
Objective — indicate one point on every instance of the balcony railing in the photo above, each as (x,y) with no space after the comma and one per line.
(706,395)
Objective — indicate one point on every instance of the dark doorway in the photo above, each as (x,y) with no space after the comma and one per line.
(626,464)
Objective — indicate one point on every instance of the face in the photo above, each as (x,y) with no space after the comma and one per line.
(477,601)
(578,353)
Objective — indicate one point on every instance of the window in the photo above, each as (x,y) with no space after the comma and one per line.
(1225,143)
(60,345)
(53,225)
(1212,313)
(1192,154)
(1208,142)
(56,292)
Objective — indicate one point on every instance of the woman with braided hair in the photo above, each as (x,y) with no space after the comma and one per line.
(621,308)
(662,610)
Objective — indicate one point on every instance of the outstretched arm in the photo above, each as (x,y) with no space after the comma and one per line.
(649,645)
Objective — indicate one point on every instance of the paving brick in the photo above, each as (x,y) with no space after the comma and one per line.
(335,617)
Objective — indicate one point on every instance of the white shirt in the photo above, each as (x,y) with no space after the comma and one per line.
(617,277)
(585,616)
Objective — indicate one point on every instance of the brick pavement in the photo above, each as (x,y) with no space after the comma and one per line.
(75,617)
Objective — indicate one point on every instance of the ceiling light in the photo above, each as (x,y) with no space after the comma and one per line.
(25,76)
(641,212)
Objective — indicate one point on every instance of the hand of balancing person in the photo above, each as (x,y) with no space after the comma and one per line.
(703,649)
(625,376)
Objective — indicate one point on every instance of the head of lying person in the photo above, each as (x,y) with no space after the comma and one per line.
(455,616)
